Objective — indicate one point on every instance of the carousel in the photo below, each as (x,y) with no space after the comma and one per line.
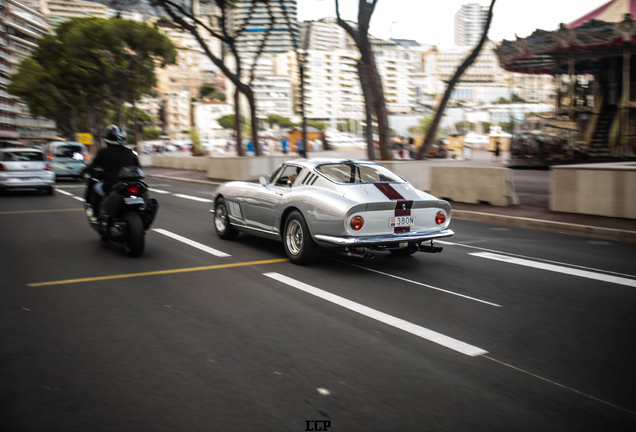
(595,114)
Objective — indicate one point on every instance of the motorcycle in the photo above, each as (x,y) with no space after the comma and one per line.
(125,213)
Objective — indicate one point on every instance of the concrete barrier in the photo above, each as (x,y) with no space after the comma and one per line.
(607,189)
(180,162)
(418,173)
(244,168)
(474,185)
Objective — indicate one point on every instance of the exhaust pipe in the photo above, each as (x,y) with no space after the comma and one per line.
(366,256)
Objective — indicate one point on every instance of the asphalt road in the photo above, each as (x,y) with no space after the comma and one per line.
(508,329)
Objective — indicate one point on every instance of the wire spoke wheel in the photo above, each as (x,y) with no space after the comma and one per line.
(222,225)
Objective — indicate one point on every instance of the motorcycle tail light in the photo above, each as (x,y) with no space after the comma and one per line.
(440,218)
(133,190)
(47,167)
(357,223)
(50,157)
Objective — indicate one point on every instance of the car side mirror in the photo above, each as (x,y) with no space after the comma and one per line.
(262,180)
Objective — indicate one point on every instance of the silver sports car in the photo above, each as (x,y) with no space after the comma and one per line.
(353,206)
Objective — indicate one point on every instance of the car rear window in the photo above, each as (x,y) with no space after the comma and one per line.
(70,151)
(349,172)
(23,156)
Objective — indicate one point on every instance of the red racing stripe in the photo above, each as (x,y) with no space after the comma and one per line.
(388,191)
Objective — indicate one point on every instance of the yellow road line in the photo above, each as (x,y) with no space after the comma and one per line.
(40,211)
(161,272)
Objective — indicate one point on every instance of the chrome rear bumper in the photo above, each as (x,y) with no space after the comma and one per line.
(411,237)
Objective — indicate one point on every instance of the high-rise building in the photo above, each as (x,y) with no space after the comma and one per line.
(254,21)
(470,20)
(20,28)
(323,35)
(58,11)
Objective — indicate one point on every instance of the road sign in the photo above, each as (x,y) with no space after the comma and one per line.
(84,138)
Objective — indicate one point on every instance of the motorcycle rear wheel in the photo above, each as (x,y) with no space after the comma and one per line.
(135,239)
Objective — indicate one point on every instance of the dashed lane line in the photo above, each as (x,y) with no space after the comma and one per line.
(192,243)
(193,198)
(63,192)
(40,211)
(442,242)
(401,324)
(159,191)
(557,269)
(156,273)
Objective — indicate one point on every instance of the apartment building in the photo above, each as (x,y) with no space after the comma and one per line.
(274,96)
(177,114)
(20,28)
(470,20)
(324,35)
(58,11)
(206,115)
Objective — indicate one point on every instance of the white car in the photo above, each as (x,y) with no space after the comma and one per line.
(354,207)
(25,168)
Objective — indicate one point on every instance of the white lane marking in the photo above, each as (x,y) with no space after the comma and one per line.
(63,192)
(69,186)
(557,269)
(532,258)
(193,198)
(159,191)
(79,199)
(191,243)
(559,385)
(408,327)
(425,285)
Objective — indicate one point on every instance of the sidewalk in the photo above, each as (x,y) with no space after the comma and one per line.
(533,212)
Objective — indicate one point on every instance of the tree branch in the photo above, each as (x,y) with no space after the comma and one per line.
(263,42)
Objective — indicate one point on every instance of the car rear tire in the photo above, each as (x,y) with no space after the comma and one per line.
(222,225)
(299,246)
(409,250)
(50,190)
(135,242)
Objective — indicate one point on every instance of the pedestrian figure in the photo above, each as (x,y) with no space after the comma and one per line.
(300,147)
(497,150)
(283,143)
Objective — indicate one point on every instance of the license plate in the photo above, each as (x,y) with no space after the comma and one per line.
(133,200)
(401,221)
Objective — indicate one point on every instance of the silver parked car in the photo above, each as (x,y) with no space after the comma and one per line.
(67,158)
(25,168)
(353,206)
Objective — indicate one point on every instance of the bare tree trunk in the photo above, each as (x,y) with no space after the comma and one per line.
(361,39)
(254,122)
(430,136)
(238,123)
(368,109)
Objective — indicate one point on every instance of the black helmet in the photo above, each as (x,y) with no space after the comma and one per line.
(114,135)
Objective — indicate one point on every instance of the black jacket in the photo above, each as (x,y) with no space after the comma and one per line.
(113,158)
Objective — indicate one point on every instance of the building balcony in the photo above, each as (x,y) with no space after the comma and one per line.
(8,134)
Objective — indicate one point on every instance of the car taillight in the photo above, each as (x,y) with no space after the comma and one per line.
(133,189)
(440,218)
(357,223)
(88,158)
(47,167)
(50,157)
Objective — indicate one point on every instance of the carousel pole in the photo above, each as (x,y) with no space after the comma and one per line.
(625,101)
(571,85)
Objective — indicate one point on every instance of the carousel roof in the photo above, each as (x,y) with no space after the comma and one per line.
(545,52)
(612,11)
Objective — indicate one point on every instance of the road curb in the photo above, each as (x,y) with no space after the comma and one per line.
(544,225)
(209,183)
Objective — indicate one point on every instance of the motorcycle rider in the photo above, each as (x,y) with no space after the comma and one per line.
(110,159)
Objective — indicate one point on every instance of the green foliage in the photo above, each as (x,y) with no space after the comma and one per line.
(415,130)
(506,127)
(463,127)
(227,122)
(196,142)
(91,67)
(318,125)
(281,121)
(503,101)
(206,89)
(518,99)
(152,133)
(485,127)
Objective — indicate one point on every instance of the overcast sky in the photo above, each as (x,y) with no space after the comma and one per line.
(431,21)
